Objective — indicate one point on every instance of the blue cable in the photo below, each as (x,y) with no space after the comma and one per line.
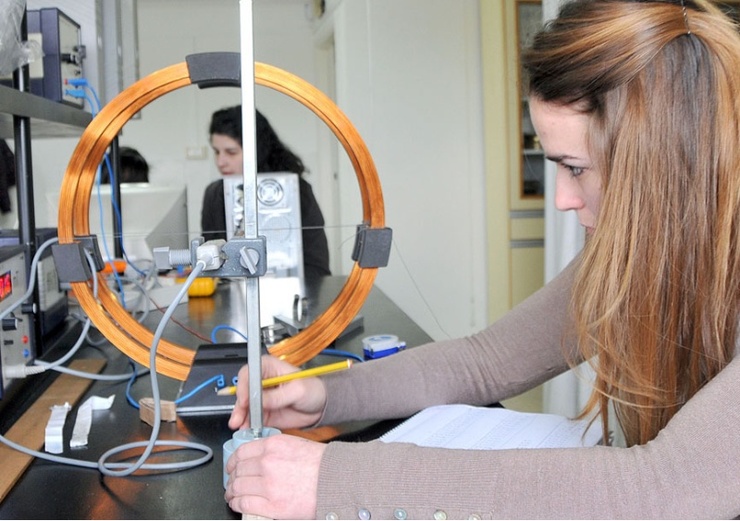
(82,82)
(78,92)
(90,102)
(119,283)
(218,379)
(130,383)
(344,354)
(117,216)
(227,327)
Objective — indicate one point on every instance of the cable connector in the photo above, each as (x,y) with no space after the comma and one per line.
(75,93)
(76,82)
(19,371)
(210,254)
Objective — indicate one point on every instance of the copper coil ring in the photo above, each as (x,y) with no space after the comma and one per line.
(113,321)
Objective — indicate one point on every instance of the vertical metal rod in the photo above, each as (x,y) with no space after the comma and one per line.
(249,142)
(24,193)
(115,200)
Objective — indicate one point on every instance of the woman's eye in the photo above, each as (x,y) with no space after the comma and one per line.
(575,171)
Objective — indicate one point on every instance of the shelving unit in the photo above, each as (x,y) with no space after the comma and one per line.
(23,116)
(47,118)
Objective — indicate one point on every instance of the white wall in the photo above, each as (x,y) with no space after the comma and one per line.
(171,125)
(407,75)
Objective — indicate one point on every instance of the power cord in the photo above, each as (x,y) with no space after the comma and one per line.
(22,371)
(111,468)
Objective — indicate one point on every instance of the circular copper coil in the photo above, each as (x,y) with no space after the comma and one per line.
(113,321)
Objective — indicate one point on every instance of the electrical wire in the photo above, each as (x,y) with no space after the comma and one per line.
(40,366)
(82,86)
(222,327)
(418,290)
(111,468)
(343,354)
(184,327)
(105,467)
(218,379)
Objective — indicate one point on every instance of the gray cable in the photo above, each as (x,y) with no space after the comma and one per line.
(129,469)
(105,467)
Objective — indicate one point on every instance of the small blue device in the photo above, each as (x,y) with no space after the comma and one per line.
(379,346)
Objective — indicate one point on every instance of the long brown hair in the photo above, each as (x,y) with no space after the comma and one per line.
(655,301)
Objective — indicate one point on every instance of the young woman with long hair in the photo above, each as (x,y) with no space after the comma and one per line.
(638,104)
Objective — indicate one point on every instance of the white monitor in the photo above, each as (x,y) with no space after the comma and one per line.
(152,216)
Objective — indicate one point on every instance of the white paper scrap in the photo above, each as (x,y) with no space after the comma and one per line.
(53,440)
(84,419)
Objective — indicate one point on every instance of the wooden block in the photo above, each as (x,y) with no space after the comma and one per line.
(146,411)
(29,429)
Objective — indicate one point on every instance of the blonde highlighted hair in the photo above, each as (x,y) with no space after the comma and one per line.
(655,302)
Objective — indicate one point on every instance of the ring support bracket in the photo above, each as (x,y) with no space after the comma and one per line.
(372,247)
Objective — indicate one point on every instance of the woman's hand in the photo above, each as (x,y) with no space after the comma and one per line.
(275,477)
(290,405)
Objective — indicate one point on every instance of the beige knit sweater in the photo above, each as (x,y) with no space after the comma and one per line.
(690,470)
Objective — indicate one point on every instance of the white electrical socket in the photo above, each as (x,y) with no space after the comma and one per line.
(196,152)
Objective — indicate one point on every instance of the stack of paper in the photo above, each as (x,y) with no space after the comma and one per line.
(468,427)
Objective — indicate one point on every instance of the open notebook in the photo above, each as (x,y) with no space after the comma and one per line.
(468,427)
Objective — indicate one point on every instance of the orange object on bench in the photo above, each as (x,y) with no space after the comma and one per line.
(119,265)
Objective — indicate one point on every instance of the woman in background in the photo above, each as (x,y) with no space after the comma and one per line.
(134,168)
(638,104)
(272,156)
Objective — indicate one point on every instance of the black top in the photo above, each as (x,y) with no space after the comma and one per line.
(315,245)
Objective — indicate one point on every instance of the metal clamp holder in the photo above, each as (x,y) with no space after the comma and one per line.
(70,261)
(372,246)
(239,257)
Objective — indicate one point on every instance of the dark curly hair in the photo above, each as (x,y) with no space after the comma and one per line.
(272,154)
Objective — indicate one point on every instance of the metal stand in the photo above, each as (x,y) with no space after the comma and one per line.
(254,338)
(249,147)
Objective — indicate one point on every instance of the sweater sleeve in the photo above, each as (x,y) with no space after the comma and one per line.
(515,354)
(689,470)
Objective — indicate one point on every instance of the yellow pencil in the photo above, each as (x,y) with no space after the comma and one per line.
(277,380)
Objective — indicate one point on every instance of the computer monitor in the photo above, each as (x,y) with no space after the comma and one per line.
(152,216)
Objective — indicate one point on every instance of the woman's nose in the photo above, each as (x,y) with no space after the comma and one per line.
(567,192)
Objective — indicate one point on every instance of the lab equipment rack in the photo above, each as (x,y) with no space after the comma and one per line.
(21,115)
